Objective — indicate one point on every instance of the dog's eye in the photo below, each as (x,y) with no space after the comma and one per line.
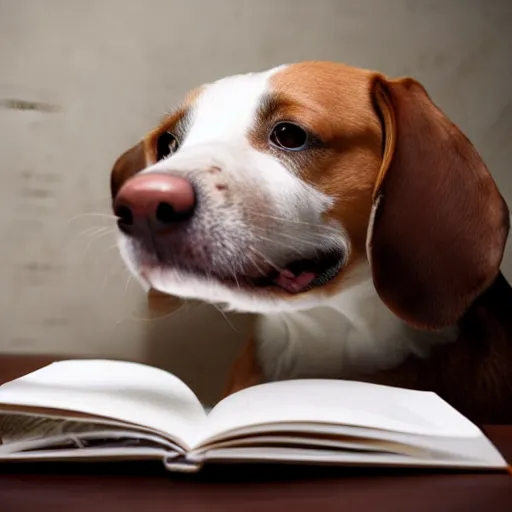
(166,145)
(289,136)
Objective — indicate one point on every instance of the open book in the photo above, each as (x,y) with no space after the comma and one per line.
(84,409)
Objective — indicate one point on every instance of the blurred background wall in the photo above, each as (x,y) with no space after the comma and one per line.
(82,81)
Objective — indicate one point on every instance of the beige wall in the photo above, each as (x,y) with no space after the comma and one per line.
(102,72)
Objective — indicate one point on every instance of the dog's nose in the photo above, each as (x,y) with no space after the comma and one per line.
(153,201)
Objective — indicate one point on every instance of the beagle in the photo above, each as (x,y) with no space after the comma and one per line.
(348,212)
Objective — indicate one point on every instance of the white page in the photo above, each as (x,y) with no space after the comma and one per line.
(129,392)
(340,458)
(337,402)
(108,439)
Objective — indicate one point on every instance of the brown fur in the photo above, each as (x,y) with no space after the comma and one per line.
(127,165)
(333,101)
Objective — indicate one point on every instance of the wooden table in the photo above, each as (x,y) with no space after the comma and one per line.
(147,487)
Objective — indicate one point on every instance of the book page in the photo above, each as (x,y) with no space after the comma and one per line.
(492,461)
(126,392)
(336,402)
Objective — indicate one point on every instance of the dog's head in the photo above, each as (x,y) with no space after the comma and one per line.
(268,191)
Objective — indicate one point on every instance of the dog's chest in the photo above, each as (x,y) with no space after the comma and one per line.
(350,334)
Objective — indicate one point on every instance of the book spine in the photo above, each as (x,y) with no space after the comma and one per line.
(182,464)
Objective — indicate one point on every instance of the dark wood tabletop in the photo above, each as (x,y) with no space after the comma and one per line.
(148,487)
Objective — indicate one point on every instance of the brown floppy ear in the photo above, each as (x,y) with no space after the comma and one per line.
(127,165)
(439,224)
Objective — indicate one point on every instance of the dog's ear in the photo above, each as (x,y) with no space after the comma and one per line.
(127,165)
(439,224)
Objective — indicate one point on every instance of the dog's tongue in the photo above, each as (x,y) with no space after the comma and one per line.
(292,283)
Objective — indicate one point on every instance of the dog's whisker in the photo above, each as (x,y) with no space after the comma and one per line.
(97,235)
(94,231)
(90,231)
(92,214)
(236,280)
(299,241)
(128,282)
(107,252)
(225,317)
(181,308)
(111,248)
(279,242)
(185,305)
(256,266)
(295,221)
(265,258)
(311,238)
(91,241)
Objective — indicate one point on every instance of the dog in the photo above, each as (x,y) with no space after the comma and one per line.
(348,212)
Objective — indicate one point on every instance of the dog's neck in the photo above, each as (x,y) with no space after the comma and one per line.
(350,334)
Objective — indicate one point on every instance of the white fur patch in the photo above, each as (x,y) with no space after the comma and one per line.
(345,335)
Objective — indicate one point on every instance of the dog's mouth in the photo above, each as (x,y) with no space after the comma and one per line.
(304,274)
(297,276)
(256,270)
